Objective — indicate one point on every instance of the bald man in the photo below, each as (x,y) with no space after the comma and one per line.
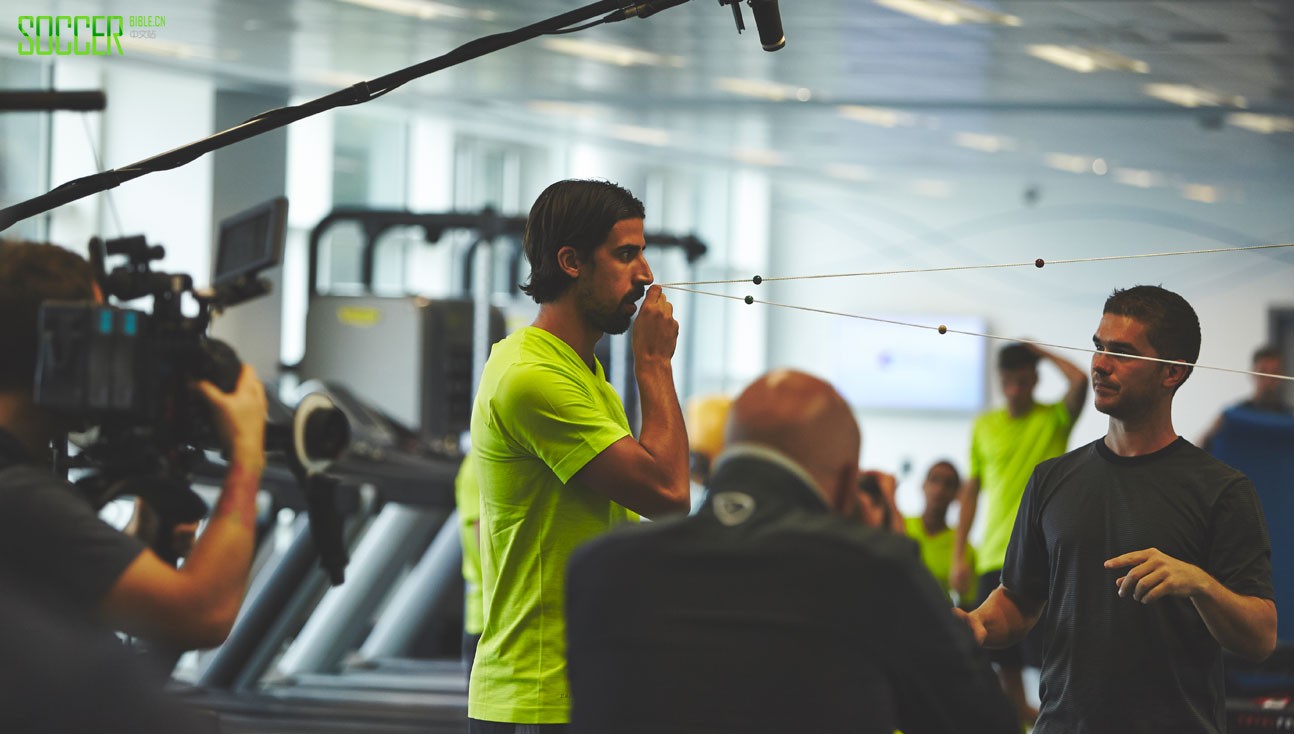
(772,609)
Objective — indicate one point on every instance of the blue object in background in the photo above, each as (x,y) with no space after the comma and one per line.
(1261,444)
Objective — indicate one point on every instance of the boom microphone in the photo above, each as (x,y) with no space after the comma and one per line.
(642,10)
(769,22)
(767,17)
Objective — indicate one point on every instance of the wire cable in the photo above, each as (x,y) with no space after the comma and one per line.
(1039,263)
(943,329)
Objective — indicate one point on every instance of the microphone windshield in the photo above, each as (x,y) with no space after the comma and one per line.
(769,22)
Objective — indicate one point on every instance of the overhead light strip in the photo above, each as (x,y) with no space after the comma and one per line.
(984,142)
(423,9)
(879,116)
(1188,95)
(950,12)
(1086,60)
(612,53)
(763,89)
(1266,124)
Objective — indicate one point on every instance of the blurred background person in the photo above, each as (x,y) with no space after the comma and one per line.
(931,531)
(705,416)
(467,497)
(1268,395)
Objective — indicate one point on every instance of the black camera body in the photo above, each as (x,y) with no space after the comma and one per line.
(128,372)
(108,364)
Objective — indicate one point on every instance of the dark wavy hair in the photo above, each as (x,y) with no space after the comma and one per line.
(577,213)
(30,274)
(1172,327)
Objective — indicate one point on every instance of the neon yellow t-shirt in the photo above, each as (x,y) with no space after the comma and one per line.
(937,552)
(467,496)
(540,416)
(1004,452)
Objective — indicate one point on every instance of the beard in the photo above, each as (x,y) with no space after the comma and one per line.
(614,322)
(610,318)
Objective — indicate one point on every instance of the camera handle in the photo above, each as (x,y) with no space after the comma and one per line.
(326,524)
(318,436)
(218,364)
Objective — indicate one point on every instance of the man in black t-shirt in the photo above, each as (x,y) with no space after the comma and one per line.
(54,549)
(1141,555)
(63,676)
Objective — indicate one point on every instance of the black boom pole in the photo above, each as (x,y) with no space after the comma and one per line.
(615,10)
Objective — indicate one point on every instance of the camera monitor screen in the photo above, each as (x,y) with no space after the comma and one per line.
(250,241)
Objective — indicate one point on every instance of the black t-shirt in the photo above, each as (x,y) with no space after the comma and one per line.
(65,676)
(1114,664)
(54,548)
(764,613)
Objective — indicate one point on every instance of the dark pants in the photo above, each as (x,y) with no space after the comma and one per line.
(491,727)
(1029,650)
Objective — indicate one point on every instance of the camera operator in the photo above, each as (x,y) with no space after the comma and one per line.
(53,545)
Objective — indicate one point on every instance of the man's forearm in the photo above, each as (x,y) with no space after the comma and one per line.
(1072,372)
(967,505)
(1245,625)
(221,558)
(1007,617)
(663,435)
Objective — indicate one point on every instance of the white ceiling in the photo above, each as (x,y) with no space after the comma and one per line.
(945,81)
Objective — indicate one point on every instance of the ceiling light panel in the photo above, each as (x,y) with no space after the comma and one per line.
(950,12)
(759,156)
(642,135)
(1138,177)
(1202,193)
(848,172)
(762,89)
(1266,124)
(984,142)
(879,116)
(608,53)
(1086,59)
(1188,95)
(1068,162)
(423,9)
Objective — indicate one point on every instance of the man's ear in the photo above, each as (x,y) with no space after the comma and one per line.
(568,259)
(1175,374)
(845,502)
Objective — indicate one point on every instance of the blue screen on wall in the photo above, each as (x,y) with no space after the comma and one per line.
(890,367)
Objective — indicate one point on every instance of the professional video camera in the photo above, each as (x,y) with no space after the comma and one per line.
(127,375)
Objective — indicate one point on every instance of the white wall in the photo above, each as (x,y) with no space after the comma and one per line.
(151,111)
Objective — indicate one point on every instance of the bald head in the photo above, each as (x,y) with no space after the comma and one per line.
(807,420)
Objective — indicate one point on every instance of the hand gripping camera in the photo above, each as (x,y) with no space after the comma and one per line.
(127,373)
